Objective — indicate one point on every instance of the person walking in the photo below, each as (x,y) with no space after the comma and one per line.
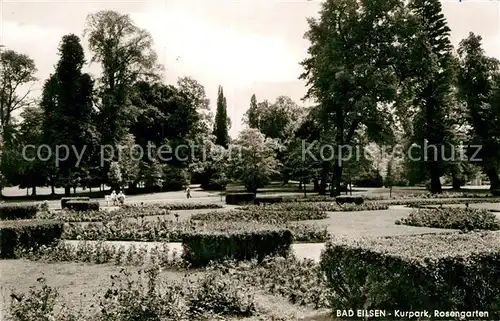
(188,192)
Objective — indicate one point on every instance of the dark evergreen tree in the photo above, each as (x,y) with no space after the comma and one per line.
(221,121)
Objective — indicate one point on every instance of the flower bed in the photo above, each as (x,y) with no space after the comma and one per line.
(455,272)
(453,218)
(314,207)
(268,214)
(175,206)
(98,216)
(437,201)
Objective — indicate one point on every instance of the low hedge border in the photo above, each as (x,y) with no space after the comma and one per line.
(437,201)
(65,200)
(26,235)
(18,211)
(176,206)
(200,249)
(82,206)
(454,272)
(239,198)
(453,218)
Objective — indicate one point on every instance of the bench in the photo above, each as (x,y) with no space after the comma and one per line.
(109,198)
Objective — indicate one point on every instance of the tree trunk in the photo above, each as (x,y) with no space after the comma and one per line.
(305,189)
(300,183)
(455,182)
(492,173)
(315,185)
(324,175)
(52,189)
(67,190)
(337,170)
(33,190)
(436,187)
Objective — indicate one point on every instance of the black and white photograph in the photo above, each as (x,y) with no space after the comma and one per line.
(249,160)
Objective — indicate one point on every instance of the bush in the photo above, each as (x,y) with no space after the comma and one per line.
(257,242)
(495,192)
(455,272)
(82,206)
(65,200)
(349,200)
(19,235)
(17,211)
(453,218)
(239,198)
(268,200)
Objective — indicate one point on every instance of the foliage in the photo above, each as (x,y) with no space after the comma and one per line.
(18,235)
(256,162)
(458,269)
(256,242)
(467,219)
(239,198)
(221,125)
(65,200)
(82,206)
(268,214)
(17,211)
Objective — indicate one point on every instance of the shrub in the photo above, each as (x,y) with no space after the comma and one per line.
(268,200)
(18,235)
(455,272)
(349,200)
(495,192)
(239,198)
(251,242)
(82,206)
(65,200)
(17,211)
(453,218)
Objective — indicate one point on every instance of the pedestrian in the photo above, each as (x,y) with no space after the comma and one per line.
(188,192)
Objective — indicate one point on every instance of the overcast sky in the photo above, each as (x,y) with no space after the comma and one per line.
(251,46)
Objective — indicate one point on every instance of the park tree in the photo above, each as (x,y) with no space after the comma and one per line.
(251,117)
(349,71)
(479,89)
(126,55)
(253,159)
(221,126)
(429,72)
(17,76)
(68,113)
(196,94)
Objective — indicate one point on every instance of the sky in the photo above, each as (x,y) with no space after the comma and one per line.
(247,46)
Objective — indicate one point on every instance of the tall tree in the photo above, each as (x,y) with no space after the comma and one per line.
(221,126)
(479,88)
(349,71)
(68,111)
(431,67)
(251,117)
(126,56)
(16,70)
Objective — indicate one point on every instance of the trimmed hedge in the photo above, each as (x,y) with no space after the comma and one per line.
(239,198)
(25,235)
(200,249)
(268,200)
(453,218)
(317,206)
(82,206)
(454,272)
(17,211)
(65,200)
(349,200)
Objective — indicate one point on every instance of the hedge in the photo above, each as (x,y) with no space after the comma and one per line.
(268,200)
(17,211)
(262,214)
(453,218)
(82,206)
(65,200)
(349,200)
(199,249)
(239,198)
(454,272)
(317,206)
(19,235)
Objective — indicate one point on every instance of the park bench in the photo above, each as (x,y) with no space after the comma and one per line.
(109,198)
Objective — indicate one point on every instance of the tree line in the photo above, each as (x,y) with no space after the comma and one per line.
(380,73)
